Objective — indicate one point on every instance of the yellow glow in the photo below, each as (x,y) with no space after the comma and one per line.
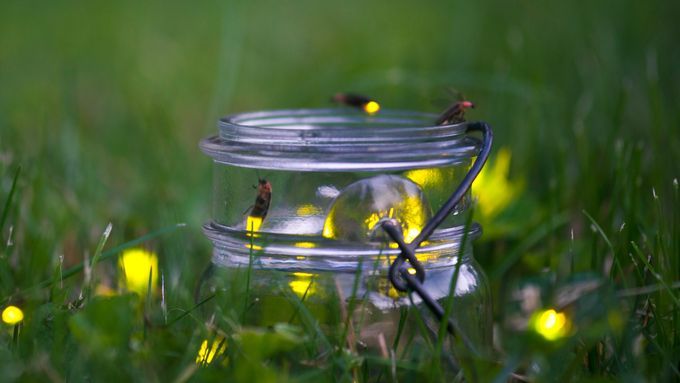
(136,264)
(253,247)
(411,271)
(253,224)
(551,324)
(12,315)
(413,217)
(412,213)
(205,356)
(305,245)
(493,189)
(328,229)
(371,107)
(372,220)
(426,257)
(308,209)
(385,287)
(426,178)
(301,283)
(412,233)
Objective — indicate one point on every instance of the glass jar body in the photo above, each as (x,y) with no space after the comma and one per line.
(380,316)
(297,204)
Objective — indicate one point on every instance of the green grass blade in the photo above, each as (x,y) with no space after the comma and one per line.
(111,253)
(196,306)
(609,244)
(8,201)
(656,275)
(530,241)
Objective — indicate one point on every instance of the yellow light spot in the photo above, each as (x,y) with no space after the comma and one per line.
(342,222)
(205,356)
(385,287)
(305,245)
(301,283)
(428,256)
(413,217)
(136,264)
(372,220)
(371,107)
(328,229)
(411,271)
(308,209)
(253,224)
(411,233)
(12,315)
(303,275)
(426,178)
(493,189)
(551,324)
(253,247)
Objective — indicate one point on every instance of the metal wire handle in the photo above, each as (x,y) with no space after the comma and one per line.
(399,273)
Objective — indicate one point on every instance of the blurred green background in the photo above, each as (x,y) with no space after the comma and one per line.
(103,104)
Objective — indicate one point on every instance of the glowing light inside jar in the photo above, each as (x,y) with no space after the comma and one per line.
(361,206)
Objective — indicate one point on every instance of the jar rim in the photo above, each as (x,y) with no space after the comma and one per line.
(338,140)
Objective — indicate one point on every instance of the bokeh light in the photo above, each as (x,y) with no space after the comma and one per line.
(372,107)
(136,264)
(206,354)
(551,324)
(12,315)
(492,187)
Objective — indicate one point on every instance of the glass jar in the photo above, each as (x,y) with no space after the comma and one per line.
(297,201)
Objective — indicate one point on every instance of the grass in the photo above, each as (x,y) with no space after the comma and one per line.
(102,107)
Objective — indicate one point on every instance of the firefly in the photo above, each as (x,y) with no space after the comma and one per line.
(455,113)
(364,103)
(260,208)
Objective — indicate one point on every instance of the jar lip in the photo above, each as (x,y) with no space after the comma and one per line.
(338,140)
(287,251)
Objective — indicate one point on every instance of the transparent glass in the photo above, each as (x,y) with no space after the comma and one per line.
(329,172)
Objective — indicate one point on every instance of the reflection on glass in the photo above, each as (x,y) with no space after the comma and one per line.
(307,209)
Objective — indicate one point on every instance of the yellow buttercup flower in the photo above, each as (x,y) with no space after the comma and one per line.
(492,188)
(12,315)
(136,264)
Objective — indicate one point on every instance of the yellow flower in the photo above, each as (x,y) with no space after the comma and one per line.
(551,324)
(12,315)
(205,356)
(136,264)
(493,190)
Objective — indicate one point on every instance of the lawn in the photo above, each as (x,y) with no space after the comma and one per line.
(102,107)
